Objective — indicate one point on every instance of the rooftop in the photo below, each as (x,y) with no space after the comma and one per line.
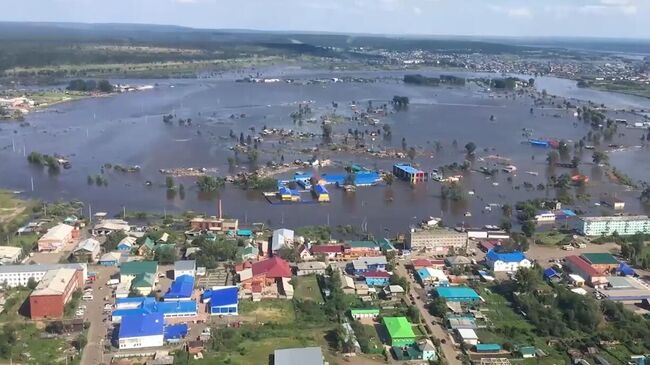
(222,296)
(361,244)
(138,267)
(600,258)
(58,232)
(181,287)
(515,256)
(580,264)
(54,282)
(457,292)
(398,327)
(618,218)
(90,245)
(274,267)
(407,168)
(184,265)
(4,269)
(298,356)
(138,325)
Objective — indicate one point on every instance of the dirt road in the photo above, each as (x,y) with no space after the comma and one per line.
(438,332)
(94,350)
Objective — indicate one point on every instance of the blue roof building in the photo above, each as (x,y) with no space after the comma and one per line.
(174,333)
(222,300)
(506,261)
(141,330)
(461,294)
(409,173)
(625,269)
(551,274)
(488,347)
(147,305)
(181,288)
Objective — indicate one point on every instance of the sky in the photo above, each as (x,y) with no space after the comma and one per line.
(570,18)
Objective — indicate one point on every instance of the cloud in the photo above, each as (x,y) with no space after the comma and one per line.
(516,12)
(603,7)
(417,10)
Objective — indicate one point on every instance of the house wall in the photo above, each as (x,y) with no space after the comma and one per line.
(46,306)
(141,342)
(377,281)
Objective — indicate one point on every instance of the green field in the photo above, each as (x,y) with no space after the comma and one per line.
(550,238)
(306,288)
(277,310)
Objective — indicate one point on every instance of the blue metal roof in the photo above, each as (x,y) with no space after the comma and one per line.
(625,269)
(515,256)
(181,287)
(320,189)
(244,232)
(488,347)
(148,305)
(423,273)
(176,331)
(550,273)
(457,293)
(150,324)
(222,296)
(407,168)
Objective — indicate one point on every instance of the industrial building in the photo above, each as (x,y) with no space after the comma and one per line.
(461,294)
(436,241)
(55,238)
(52,293)
(603,262)
(622,225)
(222,300)
(580,266)
(12,276)
(406,172)
(214,224)
(107,227)
(141,331)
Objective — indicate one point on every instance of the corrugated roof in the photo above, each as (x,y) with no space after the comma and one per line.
(457,292)
(488,347)
(580,264)
(184,265)
(57,233)
(54,282)
(222,296)
(398,327)
(110,256)
(90,245)
(138,267)
(298,356)
(7,269)
(600,258)
(141,325)
(274,267)
(515,256)
(181,287)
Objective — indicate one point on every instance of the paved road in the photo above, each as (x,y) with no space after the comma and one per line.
(93,353)
(438,332)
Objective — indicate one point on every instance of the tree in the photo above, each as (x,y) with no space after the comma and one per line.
(552,158)
(165,256)
(105,86)
(506,209)
(169,182)
(412,153)
(80,342)
(438,307)
(288,254)
(599,157)
(528,279)
(399,280)
(181,191)
(32,283)
(209,183)
(528,227)
(470,148)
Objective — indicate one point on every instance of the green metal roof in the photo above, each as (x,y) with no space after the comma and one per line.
(138,267)
(488,347)
(364,311)
(149,243)
(600,258)
(359,244)
(398,327)
(527,350)
(144,280)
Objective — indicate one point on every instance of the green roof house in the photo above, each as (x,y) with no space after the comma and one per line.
(600,258)
(399,330)
(143,283)
(129,270)
(147,247)
(249,252)
(364,313)
(527,352)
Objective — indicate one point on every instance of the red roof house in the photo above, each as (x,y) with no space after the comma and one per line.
(266,272)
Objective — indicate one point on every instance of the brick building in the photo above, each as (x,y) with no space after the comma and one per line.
(49,298)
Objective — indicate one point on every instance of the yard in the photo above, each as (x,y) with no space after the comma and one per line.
(306,288)
(277,310)
(13,211)
(552,238)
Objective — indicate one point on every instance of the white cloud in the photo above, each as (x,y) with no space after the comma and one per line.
(516,12)
(603,7)
(417,10)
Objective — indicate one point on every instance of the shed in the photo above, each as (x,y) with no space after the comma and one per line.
(487,347)
(468,336)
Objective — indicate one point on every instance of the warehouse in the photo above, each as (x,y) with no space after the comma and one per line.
(140,331)
(49,298)
(581,267)
(603,262)
(222,300)
(55,238)
(125,307)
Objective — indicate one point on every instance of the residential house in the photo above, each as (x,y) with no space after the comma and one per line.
(329,251)
(126,244)
(422,263)
(106,227)
(458,261)
(281,238)
(264,273)
(506,261)
(376,278)
(141,275)
(361,249)
(359,313)
(429,276)
(393,292)
(214,224)
(184,267)
(373,263)
(249,252)
(110,259)
(147,247)
(87,250)
(311,267)
(347,284)
(400,331)
(304,253)
(467,336)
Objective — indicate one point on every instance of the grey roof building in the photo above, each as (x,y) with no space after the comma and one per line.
(299,356)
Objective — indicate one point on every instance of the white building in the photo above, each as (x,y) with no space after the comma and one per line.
(281,238)
(108,226)
(545,217)
(184,267)
(9,254)
(141,331)
(623,225)
(88,249)
(506,262)
(12,276)
(468,336)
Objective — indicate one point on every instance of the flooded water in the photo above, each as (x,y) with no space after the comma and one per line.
(127,129)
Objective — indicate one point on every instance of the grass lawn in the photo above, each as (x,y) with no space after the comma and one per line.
(12,209)
(306,288)
(549,238)
(375,344)
(258,352)
(278,310)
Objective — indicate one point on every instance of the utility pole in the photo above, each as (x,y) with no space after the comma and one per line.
(124,212)
(32,181)
(90,213)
